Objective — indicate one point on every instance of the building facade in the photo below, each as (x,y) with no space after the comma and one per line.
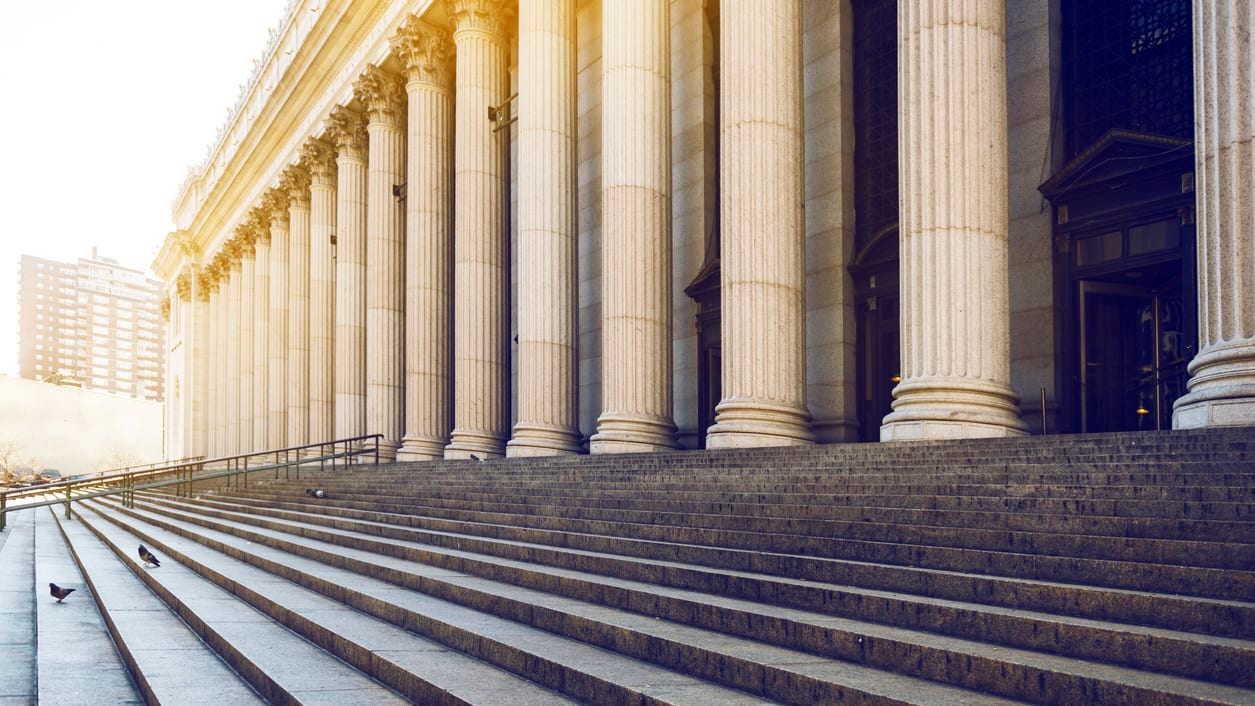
(92,321)
(554,226)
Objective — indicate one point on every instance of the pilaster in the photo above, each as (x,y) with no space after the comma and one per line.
(956,353)
(426,52)
(1221,389)
(480,277)
(636,231)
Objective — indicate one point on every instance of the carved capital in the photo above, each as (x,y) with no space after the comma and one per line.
(494,17)
(186,244)
(295,183)
(258,227)
(383,94)
(347,131)
(183,285)
(165,308)
(426,52)
(319,159)
(206,283)
(275,203)
(233,252)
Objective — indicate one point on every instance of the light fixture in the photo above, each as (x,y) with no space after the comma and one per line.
(895,379)
(1141,409)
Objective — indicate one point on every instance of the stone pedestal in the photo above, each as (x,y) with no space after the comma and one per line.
(276,203)
(1222,375)
(956,352)
(384,98)
(295,186)
(548,422)
(763,275)
(481,360)
(636,232)
(318,159)
(348,132)
(426,52)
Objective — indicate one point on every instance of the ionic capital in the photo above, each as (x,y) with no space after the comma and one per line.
(426,52)
(295,183)
(492,17)
(275,203)
(319,159)
(347,131)
(383,94)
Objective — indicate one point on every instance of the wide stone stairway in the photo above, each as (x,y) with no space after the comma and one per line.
(1112,569)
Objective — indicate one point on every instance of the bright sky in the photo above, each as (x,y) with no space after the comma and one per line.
(106,106)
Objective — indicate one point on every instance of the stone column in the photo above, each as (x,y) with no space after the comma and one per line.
(276,205)
(636,231)
(198,379)
(246,352)
(481,362)
(295,184)
(219,270)
(318,159)
(1222,375)
(209,290)
(548,416)
(348,133)
(383,94)
(956,352)
(234,326)
(763,230)
(426,52)
(261,331)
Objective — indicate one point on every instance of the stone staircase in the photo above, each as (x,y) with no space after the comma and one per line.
(1109,569)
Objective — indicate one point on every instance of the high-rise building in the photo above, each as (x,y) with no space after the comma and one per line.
(92,322)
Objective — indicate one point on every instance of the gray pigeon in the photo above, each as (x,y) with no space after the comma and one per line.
(315,493)
(148,557)
(58,592)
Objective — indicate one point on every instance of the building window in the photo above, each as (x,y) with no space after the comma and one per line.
(1128,65)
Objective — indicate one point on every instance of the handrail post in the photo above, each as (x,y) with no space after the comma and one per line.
(4,509)
(67,502)
(378,441)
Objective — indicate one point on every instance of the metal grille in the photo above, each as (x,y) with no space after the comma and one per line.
(1129,65)
(875,117)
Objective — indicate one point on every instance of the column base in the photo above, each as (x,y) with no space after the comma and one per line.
(417,448)
(542,440)
(464,443)
(1221,389)
(949,408)
(741,424)
(387,450)
(618,434)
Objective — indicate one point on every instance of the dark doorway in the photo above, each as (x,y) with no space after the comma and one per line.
(879,358)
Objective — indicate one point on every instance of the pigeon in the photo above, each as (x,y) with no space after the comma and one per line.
(147,556)
(476,458)
(315,493)
(59,593)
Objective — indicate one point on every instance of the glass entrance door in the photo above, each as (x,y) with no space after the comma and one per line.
(1132,356)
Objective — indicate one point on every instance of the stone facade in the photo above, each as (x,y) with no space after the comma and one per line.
(522,227)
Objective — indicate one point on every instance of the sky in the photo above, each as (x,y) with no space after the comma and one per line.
(106,105)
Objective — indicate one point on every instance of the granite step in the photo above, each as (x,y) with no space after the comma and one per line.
(18,600)
(586,669)
(894,647)
(280,665)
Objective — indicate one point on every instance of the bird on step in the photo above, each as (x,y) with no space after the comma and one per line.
(58,592)
(476,458)
(148,557)
(315,493)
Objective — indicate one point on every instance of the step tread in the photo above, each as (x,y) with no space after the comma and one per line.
(297,668)
(18,598)
(78,661)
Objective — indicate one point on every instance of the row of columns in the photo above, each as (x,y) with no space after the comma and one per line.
(303,350)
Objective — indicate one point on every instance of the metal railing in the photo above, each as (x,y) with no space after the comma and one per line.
(339,453)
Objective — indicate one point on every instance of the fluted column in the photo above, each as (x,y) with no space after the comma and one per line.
(636,232)
(383,95)
(426,52)
(955,320)
(295,184)
(221,306)
(213,349)
(480,282)
(276,204)
(198,380)
(348,133)
(548,421)
(261,331)
(1221,390)
(246,352)
(763,235)
(234,325)
(318,158)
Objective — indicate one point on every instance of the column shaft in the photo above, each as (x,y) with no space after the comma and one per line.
(1222,375)
(547,286)
(426,52)
(763,231)
(198,381)
(350,290)
(481,360)
(952,118)
(245,353)
(261,341)
(636,235)
(235,327)
(299,312)
(277,344)
(318,160)
(213,355)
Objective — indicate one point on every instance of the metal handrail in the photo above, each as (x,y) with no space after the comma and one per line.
(187,473)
